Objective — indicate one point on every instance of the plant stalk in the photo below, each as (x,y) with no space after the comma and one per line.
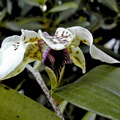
(42,84)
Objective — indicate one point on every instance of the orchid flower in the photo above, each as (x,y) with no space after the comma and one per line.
(16,52)
(64,46)
(53,51)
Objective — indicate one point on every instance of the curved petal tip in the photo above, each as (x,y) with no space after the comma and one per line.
(100,55)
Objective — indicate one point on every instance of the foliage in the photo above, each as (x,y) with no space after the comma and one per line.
(48,15)
(97,91)
(23,107)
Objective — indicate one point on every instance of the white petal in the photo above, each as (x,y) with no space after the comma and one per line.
(29,36)
(82,34)
(11,54)
(60,40)
(100,55)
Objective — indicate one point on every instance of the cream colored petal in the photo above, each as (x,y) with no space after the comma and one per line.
(100,55)
(61,39)
(11,55)
(53,79)
(77,57)
(81,34)
(17,70)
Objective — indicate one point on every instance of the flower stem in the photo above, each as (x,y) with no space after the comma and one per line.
(40,81)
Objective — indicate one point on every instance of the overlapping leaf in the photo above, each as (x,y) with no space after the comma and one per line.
(97,91)
(14,106)
(112,4)
(64,6)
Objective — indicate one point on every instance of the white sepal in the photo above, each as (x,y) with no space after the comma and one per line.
(81,34)
(100,55)
(29,35)
(11,54)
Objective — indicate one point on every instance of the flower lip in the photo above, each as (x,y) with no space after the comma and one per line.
(55,54)
(56,60)
(60,40)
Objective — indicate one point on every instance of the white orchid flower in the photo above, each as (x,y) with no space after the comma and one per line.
(55,54)
(54,51)
(63,46)
(17,51)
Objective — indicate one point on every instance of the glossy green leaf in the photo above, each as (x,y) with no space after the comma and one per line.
(97,91)
(64,6)
(15,106)
(112,4)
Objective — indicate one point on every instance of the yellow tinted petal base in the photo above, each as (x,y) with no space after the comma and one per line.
(54,82)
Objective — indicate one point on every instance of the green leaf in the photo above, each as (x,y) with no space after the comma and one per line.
(65,15)
(41,1)
(97,91)
(9,6)
(15,106)
(17,26)
(62,106)
(112,4)
(3,13)
(89,116)
(96,20)
(64,6)
(32,2)
(76,23)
